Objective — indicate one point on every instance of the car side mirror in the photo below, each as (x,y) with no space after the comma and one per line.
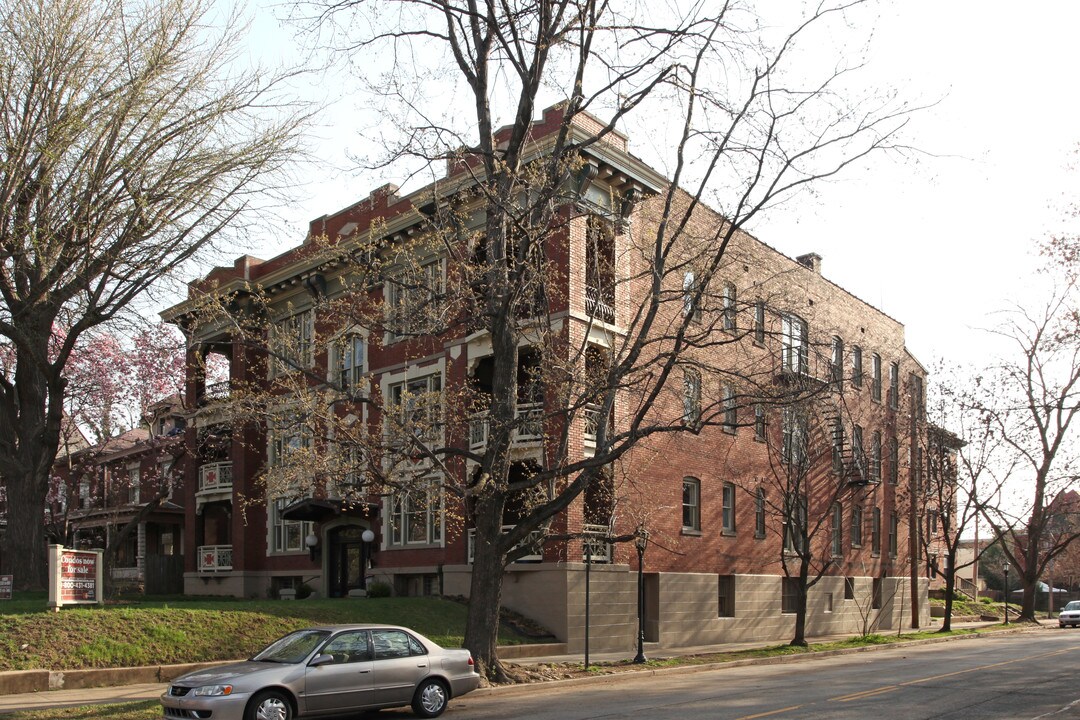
(321,659)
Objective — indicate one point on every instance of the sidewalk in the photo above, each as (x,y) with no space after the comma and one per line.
(151,691)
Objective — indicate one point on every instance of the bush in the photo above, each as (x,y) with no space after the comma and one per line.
(303,590)
(379,590)
(986,601)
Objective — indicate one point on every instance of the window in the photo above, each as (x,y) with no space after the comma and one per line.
(389,644)
(856,526)
(859,451)
(415,300)
(351,362)
(417,404)
(931,524)
(794,358)
(729,509)
(837,530)
(789,595)
(838,446)
(894,460)
(875,373)
(292,343)
(349,647)
(875,531)
(759,514)
(828,602)
(793,449)
(289,436)
(856,366)
(849,588)
(894,385)
(918,399)
(729,308)
(759,322)
(725,596)
(894,529)
(691,504)
(875,600)
(837,365)
(84,494)
(759,421)
(132,495)
(691,396)
(691,296)
(795,524)
(727,393)
(875,457)
(416,516)
(286,535)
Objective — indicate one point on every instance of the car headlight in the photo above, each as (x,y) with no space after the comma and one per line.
(213,690)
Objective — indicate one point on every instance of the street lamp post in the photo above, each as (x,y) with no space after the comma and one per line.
(1006,570)
(641,541)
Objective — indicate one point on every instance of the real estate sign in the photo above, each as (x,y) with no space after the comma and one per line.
(75,577)
(6,583)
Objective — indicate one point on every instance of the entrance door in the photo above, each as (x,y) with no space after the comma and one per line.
(347,560)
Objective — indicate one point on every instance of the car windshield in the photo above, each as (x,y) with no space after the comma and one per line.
(1074,605)
(292,648)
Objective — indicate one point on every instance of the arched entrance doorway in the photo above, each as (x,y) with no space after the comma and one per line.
(347,560)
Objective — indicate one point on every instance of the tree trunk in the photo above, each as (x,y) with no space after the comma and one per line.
(485,590)
(800,608)
(23,547)
(30,421)
(950,585)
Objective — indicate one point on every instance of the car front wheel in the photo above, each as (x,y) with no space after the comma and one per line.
(430,699)
(270,705)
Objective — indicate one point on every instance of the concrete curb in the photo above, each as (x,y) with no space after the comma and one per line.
(707,667)
(17,682)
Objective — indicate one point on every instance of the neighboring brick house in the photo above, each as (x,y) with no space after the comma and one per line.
(714,568)
(132,478)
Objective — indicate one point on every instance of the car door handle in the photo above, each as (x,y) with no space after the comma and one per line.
(365,671)
(421,664)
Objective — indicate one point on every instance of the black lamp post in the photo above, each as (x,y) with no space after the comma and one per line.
(1006,570)
(641,541)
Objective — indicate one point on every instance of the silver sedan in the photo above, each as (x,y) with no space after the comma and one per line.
(327,671)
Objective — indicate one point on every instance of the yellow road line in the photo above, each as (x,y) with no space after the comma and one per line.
(771,712)
(864,694)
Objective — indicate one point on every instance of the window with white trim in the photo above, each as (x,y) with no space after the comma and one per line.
(416,515)
(731,418)
(730,317)
(795,346)
(350,362)
(691,504)
(691,296)
(691,396)
(415,300)
(417,404)
(286,535)
(292,343)
(856,526)
(729,508)
(856,366)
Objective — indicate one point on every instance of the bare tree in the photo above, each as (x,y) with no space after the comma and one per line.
(746,133)
(966,466)
(1033,412)
(132,143)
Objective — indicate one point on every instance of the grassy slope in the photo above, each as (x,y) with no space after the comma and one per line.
(150,633)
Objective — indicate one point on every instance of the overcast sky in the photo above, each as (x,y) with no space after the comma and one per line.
(937,241)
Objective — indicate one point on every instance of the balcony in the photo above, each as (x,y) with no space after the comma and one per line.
(217,391)
(595,545)
(215,477)
(215,558)
(529,428)
(532,541)
(600,303)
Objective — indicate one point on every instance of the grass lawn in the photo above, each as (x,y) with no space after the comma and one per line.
(146,710)
(181,630)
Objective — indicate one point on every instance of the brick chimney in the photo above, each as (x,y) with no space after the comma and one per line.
(811,260)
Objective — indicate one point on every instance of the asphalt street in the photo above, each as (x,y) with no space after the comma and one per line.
(1020,676)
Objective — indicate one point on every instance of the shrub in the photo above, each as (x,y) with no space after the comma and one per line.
(379,590)
(303,590)
(986,601)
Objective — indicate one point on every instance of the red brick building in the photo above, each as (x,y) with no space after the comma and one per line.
(711,498)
